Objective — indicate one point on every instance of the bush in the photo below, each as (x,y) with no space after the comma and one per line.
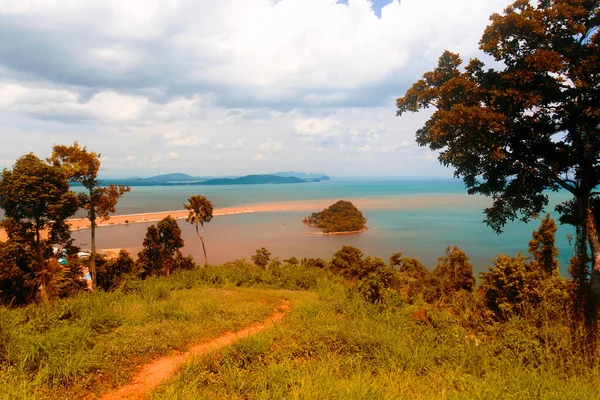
(454,272)
(261,258)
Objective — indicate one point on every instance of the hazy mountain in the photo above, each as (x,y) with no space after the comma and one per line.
(304,176)
(253,180)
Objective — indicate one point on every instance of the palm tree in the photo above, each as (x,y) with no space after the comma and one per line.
(201,211)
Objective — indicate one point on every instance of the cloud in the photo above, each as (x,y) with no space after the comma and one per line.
(178,139)
(291,81)
(271,145)
(258,157)
(281,54)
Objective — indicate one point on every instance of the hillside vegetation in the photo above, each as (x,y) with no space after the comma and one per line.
(342,216)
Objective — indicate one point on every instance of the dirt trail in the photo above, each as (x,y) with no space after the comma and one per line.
(154,373)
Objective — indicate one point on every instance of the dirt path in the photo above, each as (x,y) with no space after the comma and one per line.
(153,374)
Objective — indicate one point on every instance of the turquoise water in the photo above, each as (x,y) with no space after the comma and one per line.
(417,217)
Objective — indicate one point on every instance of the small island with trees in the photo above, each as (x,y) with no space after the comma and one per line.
(341,217)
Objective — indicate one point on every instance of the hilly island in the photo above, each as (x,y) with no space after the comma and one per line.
(185,179)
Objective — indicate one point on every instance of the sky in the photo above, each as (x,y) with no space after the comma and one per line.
(227,87)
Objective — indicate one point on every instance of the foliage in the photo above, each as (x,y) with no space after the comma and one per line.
(200,212)
(161,247)
(542,248)
(531,125)
(342,216)
(36,198)
(347,262)
(110,272)
(83,166)
(454,272)
(261,258)
(18,280)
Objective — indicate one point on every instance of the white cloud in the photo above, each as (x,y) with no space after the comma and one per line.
(271,145)
(312,78)
(178,139)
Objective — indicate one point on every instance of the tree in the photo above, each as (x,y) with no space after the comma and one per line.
(528,126)
(82,166)
(36,200)
(542,248)
(161,247)
(454,272)
(18,280)
(347,262)
(201,211)
(262,257)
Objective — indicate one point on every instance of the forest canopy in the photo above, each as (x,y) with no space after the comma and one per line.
(342,216)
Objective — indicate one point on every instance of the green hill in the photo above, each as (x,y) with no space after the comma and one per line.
(253,180)
(342,216)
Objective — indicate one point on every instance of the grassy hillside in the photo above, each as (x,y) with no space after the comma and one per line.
(336,346)
(334,343)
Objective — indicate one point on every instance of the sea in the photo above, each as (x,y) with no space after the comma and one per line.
(417,217)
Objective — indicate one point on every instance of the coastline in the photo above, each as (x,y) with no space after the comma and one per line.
(366,228)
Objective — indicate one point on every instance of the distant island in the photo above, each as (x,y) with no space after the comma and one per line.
(253,180)
(185,179)
(341,217)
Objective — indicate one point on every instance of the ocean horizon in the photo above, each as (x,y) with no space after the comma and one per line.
(418,217)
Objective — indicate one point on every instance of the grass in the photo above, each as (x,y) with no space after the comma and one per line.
(332,345)
(93,342)
(336,346)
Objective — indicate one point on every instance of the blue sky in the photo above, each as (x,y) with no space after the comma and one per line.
(214,87)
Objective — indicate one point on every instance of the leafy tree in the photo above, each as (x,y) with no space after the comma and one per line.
(454,272)
(415,278)
(542,248)
(292,261)
(82,166)
(18,280)
(161,247)
(201,212)
(347,262)
(529,125)
(111,271)
(262,257)
(36,199)
(376,276)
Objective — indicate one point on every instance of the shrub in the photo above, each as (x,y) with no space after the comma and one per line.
(261,258)
(454,272)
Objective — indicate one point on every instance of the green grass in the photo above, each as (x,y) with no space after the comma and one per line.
(332,344)
(336,346)
(93,342)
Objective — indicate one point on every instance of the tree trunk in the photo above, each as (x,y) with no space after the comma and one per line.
(42,263)
(203,247)
(594,299)
(92,216)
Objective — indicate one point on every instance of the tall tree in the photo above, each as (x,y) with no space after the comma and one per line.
(161,246)
(200,212)
(37,200)
(542,248)
(454,272)
(530,125)
(83,166)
